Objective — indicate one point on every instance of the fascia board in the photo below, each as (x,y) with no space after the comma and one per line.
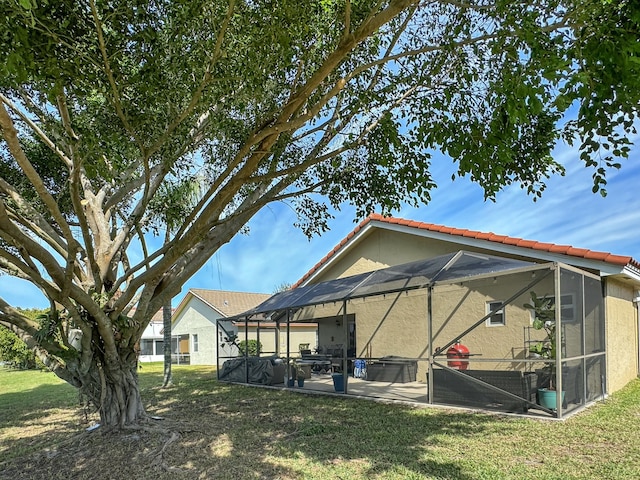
(604,268)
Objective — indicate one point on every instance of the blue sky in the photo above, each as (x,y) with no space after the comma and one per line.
(568,213)
(274,252)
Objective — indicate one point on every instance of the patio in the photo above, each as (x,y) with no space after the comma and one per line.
(405,392)
(507,353)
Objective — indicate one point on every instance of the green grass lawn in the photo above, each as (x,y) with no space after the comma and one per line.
(221,431)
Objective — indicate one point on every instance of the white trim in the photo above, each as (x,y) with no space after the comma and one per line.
(501,311)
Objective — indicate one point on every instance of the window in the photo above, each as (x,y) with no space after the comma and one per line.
(567,307)
(159,347)
(497,317)
(194,339)
(146,347)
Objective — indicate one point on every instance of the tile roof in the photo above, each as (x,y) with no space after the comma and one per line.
(568,250)
(229,303)
(158,316)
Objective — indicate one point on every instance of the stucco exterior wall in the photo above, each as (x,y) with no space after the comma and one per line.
(197,318)
(383,248)
(397,324)
(206,339)
(621,335)
(299,334)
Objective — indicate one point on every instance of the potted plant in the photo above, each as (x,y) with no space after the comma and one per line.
(300,373)
(294,374)
(545,319)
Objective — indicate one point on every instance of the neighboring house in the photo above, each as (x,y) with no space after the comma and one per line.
(194,321)
(152,341)
(399,294)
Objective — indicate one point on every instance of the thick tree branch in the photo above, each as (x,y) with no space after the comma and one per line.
(11,137)
(117,102)
(43,136)
(32,219)
(264,138)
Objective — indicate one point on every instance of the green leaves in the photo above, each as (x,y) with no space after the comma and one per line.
(119,105)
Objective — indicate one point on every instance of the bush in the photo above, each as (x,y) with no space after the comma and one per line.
(254,346)
(14,351)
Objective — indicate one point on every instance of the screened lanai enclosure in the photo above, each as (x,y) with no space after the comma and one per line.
(463,329)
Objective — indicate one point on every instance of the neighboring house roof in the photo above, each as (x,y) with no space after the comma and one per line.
(157,317)
(225,303)
(605,263)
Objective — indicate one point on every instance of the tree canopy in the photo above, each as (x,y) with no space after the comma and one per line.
(104,105)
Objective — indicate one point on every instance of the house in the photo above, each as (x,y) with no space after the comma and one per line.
(152,341)
(194,321)
(385,241)
(412,290)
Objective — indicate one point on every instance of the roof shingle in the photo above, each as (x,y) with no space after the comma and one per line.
(229,303)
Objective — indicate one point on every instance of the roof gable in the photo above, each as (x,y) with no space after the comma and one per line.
(223,302)
(606,263)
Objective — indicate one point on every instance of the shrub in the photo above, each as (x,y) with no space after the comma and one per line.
(14,352)
(254,346)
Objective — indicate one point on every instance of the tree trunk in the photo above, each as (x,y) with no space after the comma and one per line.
(166,320)
(115,394)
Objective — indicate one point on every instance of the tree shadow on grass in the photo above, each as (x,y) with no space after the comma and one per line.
(31,420)
(233,432)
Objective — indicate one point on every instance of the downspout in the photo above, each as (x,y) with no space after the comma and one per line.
(636,300)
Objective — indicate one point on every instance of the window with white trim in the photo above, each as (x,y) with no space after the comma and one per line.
(146,347)
(567,307)
(497,318)
(194,339)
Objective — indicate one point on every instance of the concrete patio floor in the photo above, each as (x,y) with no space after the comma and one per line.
(411,392)
(406,392)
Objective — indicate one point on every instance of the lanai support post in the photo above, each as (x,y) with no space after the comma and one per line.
(288,368)
(558,340)
(246,349)
(345,346)
(257,338)
(430,346)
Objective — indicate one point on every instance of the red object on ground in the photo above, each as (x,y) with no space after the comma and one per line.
(458,356)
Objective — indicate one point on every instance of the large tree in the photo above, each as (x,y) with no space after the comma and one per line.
(105,103)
